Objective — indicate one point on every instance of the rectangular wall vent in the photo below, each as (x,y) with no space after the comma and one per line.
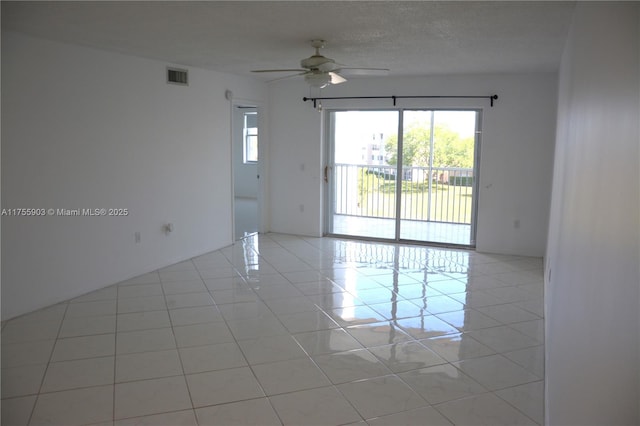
(177,76)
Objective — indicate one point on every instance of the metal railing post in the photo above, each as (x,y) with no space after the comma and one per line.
(430,170)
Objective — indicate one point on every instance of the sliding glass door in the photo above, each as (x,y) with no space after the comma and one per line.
(403,175)
(361,183)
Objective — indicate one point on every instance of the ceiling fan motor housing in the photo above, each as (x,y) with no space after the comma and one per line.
(318,62)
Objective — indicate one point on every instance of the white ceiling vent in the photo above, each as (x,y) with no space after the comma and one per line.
(177,76)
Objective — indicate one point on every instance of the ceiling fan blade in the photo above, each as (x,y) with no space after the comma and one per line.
(363,71)
(337,78)
(288,76)
(281,70)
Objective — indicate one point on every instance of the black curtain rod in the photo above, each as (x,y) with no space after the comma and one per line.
(491,97)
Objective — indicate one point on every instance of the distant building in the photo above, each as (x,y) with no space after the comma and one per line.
(373,151)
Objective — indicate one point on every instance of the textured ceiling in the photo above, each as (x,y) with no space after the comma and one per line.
(410,38)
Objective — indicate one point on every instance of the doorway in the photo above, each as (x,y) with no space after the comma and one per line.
(405,175)
(246,188)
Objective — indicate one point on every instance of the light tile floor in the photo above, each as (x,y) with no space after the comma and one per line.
(281,329)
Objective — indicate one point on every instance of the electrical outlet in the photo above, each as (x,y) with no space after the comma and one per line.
(136,237)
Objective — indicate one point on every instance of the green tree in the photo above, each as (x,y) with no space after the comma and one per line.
(450,149)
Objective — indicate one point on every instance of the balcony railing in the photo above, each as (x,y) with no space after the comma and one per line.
(438,194)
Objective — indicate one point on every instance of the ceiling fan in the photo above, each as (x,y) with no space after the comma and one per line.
(320,71)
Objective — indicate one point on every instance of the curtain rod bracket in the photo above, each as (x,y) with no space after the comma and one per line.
(305,99)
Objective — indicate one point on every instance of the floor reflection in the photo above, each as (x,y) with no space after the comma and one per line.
(403,333)
(387,295)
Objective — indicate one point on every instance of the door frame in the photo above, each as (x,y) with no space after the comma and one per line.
(261,169)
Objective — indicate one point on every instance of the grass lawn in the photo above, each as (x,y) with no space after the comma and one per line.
(444,203)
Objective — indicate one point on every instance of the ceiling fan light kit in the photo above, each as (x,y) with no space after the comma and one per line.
(319,80)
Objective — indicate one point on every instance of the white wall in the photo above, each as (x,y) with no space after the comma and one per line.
(592,296)
(516,152)
(295,161)
(83,128)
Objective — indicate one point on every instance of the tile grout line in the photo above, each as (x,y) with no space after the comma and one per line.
(512,405)
(115,357)
(175,341)
(44,375)
(235,341)
(238,344)
(242,352)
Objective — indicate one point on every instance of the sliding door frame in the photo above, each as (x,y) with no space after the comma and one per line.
(329,190)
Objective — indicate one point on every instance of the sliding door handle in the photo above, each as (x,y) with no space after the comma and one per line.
(326,174)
